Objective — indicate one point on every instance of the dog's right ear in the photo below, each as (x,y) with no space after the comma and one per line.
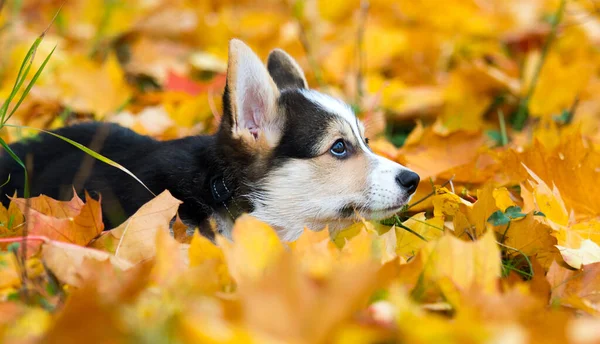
(252,97)
(285,70)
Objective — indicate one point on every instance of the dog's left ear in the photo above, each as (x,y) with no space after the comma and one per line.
(252,97)
(285,71)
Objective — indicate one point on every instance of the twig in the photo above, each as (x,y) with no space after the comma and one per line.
(24,276)
(24,238)
(503,135)
(522,112)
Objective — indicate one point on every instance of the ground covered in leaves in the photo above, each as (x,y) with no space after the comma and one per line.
(496,104)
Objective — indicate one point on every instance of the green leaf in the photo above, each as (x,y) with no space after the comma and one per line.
(495,135)
(563,118)
(538,213)
(13,296)
(514,212)
(498,218)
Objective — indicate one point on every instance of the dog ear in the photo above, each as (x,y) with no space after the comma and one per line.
(285,70)
(252,96)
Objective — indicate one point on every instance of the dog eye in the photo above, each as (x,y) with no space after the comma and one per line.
(339,148)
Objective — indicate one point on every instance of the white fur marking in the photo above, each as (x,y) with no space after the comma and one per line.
(382,176)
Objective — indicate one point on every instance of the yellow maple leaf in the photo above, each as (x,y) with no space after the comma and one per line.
(203,251)
(456,266)
(255,247)
(566,65)
(548,201)
(408,244)
(503,198)
(316,252)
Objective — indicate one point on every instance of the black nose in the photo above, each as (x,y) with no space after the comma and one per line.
(408,180)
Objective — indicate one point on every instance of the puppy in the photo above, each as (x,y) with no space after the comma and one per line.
(286,154)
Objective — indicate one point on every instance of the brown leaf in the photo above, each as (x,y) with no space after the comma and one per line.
(180,231)
(66,260)
(134,239)
(435,154)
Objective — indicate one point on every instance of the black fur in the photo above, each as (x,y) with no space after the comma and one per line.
(283,72)
(181,166)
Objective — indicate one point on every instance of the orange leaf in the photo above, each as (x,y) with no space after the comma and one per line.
(72,221)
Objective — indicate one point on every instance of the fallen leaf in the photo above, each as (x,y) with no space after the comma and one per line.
(576,289)
(588,253)
(255,247)
(66,260)
(134,239)
(73,221)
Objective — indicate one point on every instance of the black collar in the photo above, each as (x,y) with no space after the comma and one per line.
(219,190)
(222,194)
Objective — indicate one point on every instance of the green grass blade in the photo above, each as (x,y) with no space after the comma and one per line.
(31,83)
(21,76)
(6,182)
(20,162)
(88,151)
(411,231)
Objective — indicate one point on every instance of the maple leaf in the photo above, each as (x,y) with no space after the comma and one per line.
(480,267)
(66,260)
(576,289)
(134,239)
(11,219)
(588,253)
(68,221)
(435,154)
(255,247)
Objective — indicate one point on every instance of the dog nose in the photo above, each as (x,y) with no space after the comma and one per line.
(408,180)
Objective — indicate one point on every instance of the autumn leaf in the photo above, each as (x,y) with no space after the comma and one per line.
(575,289)
(51,207)
(66,260)
(203,252)
(10,278)
(134,240)
(441,268)
(11,219)
(69,221)
(409,243)
(588,253)
(529,236)
(255,247)
(494,104)
(435,154)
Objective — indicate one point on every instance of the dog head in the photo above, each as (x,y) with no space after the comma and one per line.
(306,161)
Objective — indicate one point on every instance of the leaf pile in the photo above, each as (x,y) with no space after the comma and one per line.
(494,103)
